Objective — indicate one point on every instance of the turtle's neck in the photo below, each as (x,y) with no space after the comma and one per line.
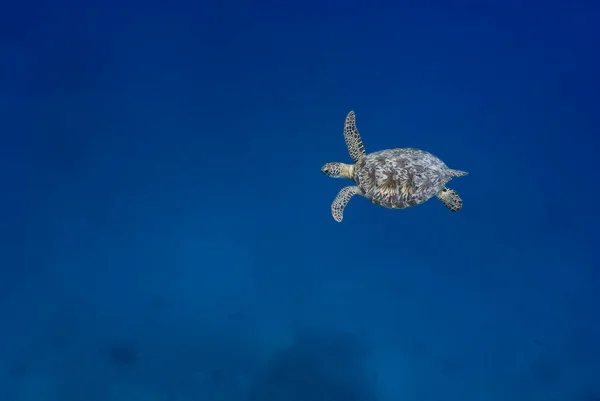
(347,171)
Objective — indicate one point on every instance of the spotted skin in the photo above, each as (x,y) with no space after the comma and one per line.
(401,178)
(352,138)
(341,200)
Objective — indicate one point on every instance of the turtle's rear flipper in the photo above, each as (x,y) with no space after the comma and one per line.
(450,198)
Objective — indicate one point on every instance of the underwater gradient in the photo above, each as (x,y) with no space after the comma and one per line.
(166,231)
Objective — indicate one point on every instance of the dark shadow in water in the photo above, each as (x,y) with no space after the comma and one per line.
(122,354)
(317,367)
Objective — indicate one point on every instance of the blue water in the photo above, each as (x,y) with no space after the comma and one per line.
(167,233)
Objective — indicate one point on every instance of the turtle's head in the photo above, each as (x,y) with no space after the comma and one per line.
(338,170)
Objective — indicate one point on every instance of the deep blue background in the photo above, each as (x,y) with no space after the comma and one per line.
(166,229)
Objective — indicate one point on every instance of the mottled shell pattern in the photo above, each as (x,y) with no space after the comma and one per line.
(400,178)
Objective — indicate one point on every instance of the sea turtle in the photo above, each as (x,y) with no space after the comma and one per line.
(392,178)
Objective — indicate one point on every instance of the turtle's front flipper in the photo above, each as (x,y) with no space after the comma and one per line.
(352,138)
(341,200)
(450,198)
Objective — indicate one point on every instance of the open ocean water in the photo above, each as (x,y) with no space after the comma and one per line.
(166,232)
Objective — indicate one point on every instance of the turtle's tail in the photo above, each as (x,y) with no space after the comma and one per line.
(458,173)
